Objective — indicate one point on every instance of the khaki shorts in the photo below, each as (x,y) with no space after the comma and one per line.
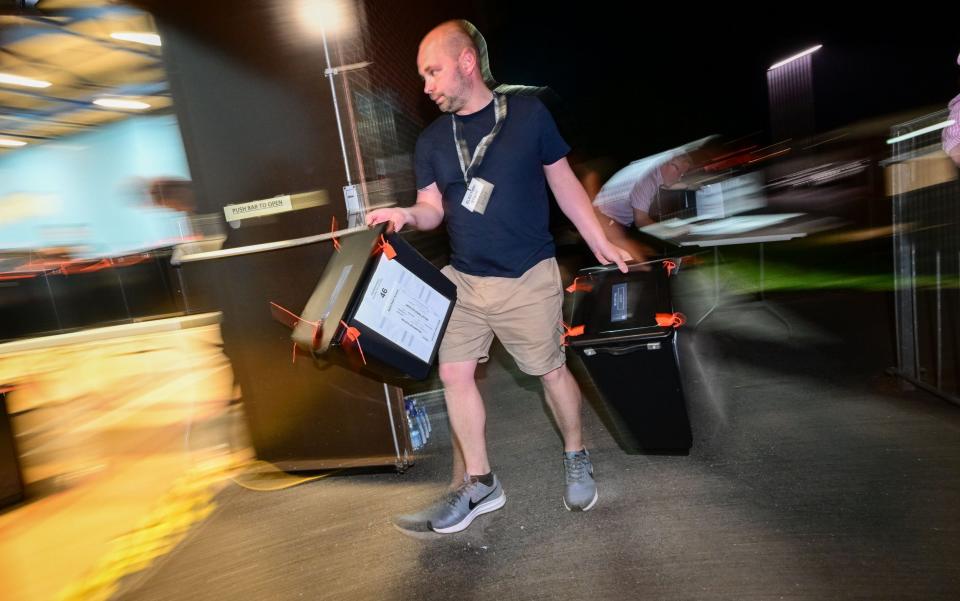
(524,313)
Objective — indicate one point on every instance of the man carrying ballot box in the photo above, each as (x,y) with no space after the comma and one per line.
(484,166)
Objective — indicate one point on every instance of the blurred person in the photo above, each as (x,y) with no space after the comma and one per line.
(623,210)
(592,173)
(173,193)
(633,209)
(157,215)
(485,170)
(951,134)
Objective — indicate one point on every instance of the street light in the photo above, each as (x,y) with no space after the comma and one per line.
(795,57)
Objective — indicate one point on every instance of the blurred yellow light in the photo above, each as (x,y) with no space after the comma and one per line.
(12,143)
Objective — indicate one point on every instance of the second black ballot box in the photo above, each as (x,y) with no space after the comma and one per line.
(379,307)
(629,346)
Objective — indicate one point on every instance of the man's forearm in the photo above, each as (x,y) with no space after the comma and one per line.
(576,206)
(423,216)
(573,201)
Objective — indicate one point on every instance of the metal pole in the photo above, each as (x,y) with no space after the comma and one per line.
(939,326)
(716,286)
(393,424)
(913,313)
(897,273)
(336,106)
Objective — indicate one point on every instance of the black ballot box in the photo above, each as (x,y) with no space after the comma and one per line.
(301,413)
(379,308)
(629,347)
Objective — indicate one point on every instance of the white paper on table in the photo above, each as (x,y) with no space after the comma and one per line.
(403,308)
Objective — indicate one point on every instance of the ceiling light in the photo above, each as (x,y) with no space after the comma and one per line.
(23,81)
(921,131)
(150,39)
(121,103)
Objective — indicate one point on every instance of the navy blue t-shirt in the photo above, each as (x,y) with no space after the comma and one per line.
(513,234)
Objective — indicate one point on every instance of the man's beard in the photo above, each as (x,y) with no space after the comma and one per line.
(456,101)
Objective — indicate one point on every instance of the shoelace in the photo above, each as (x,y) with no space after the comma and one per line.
(454,497)
(576,467)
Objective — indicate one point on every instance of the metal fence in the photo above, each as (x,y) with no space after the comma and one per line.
(925,194)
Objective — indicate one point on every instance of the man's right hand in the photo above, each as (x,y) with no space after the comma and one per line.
(397,216)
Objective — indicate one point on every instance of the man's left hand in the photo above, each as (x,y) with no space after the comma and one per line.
(606,252)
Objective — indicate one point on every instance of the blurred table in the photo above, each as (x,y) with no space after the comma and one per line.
(686,235)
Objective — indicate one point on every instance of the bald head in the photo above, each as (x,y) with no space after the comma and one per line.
(453,68)
(457,35)
(452,37)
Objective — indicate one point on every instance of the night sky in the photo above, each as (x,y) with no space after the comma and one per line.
(639,80)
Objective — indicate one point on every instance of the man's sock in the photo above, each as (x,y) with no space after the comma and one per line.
(485,479)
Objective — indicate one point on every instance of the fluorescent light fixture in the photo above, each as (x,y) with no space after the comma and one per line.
(121,103)
(12,143)
(150,39)
(921,131)
(16,80)
(796,56)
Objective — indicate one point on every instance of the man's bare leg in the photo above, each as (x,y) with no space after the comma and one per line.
(459,467)
(564,399)
(473,496)
(468,417)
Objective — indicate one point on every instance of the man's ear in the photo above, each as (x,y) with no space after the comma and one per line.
(467,61)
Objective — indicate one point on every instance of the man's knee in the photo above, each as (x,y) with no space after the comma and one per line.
(555,376)
(454,375)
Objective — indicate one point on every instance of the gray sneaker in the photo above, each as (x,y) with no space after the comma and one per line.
(416,522)
(457,509)
(581,491)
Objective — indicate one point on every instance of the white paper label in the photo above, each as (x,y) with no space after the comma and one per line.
(351,198)
(403,309)
(258,208)
(477,195)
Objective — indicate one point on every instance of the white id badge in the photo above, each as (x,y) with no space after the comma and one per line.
(478,195)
